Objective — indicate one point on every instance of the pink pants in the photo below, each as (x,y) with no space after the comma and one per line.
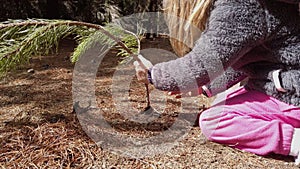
(252,121)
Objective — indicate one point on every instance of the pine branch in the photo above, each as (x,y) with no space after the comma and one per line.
(69,23)
(21,40)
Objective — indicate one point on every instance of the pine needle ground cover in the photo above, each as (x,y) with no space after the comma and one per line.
(38,128)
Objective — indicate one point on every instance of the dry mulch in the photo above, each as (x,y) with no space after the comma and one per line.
(39,129)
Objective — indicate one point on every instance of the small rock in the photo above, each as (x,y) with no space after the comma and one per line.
(31,71)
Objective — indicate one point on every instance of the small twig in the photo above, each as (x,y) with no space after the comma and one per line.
(144,67)
(148,95)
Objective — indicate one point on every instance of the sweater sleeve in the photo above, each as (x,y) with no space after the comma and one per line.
(225,81)
(234,28)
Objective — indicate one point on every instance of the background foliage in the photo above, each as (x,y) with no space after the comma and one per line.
(93,11)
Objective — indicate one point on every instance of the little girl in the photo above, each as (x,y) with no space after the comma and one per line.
(258,39)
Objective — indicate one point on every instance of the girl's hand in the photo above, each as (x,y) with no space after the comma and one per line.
(141,67)
(192,93)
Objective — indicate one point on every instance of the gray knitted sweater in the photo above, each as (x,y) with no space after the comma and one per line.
(244,38)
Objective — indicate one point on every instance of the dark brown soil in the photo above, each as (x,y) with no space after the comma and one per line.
(39,129)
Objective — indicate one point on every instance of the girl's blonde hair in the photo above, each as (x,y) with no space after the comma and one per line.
(193,14)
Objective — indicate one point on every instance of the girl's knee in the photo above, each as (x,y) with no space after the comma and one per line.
(208,123)
(210,119)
